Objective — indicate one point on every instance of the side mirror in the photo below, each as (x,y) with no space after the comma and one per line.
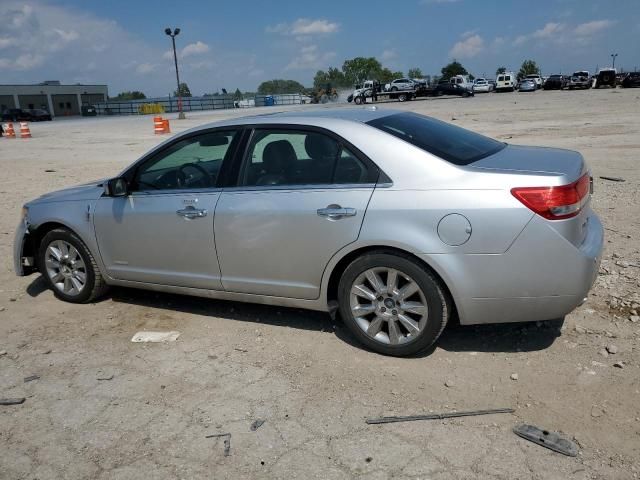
(116,187)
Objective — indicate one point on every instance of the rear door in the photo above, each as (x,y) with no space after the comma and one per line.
(162,232)
(300,196)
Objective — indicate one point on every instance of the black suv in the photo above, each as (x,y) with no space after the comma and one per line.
(631,79)
(555,82)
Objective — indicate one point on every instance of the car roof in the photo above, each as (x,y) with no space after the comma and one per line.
(310,116)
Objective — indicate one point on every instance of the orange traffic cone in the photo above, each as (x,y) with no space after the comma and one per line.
(24,130)
(9,131)
(158,125)
(165,124)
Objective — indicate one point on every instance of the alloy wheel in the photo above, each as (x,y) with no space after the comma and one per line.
(388,306)
(65,267)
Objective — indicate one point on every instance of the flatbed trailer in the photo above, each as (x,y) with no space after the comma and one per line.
(400,95)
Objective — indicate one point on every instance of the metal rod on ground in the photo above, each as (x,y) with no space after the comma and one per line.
(437,416)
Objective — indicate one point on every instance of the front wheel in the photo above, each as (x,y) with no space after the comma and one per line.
(392,304)
(402,97)
(69,268)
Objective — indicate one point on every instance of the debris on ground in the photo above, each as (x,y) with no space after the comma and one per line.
(105,377)
(227,441)
(514,376)
(31,378)
(449,383)
(3,352)
(256,425)
(612,349)
(547,439)
(155,337)
(437,416)
(619,364)
(613,179)
(12,401)
(243,350)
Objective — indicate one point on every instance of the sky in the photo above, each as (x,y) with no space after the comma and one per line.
(239,44)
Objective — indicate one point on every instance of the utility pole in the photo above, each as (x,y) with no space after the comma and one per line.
(173,36)
(614,55)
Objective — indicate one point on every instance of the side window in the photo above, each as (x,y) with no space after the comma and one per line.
(279,157)
(194,162)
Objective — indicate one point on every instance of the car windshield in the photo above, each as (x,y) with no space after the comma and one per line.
(453,144)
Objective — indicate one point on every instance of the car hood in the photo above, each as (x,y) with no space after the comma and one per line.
(87,191)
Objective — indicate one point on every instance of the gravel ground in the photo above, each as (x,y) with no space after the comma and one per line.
(104,407)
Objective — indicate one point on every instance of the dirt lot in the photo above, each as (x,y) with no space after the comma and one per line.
(299,371)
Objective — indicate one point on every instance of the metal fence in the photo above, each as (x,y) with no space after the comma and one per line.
(190,104)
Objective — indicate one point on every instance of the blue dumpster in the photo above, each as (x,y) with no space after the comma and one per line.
(268,101)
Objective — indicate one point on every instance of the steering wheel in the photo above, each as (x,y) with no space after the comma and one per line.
(182,176)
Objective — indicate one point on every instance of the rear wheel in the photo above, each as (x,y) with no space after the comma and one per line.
(358,100)
(402,97)
(69,268)
(394,89)
(392,304)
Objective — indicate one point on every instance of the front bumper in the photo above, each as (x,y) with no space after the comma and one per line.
(22,265)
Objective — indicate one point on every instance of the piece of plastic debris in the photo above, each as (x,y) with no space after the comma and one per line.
(155,337)
(547,439)
(613,179)
(256,425)
(12,401)
(105,377)
(437,416)
(227,441)
(31,378)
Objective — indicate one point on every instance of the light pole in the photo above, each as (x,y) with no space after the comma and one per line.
(614,55)
(173,35)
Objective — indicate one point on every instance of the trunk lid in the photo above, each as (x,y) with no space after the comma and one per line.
(534,161)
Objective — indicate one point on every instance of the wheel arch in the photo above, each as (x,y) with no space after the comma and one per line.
(34,239)
(340,266)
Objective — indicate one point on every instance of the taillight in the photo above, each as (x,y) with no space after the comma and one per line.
(556,203)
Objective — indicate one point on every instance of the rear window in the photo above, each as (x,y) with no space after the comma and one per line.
(453,144)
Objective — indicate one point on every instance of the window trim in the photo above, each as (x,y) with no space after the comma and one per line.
(243,157)
(130,173)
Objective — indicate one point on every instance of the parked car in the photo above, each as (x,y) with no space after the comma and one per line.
(400,84)
(448,88)
(580,79)
(88,111)
(462,81)
(506,82)
(314,210)
(605,77)
(482,85)
(39,115)
(16,115)
(631,79)
(555,82)
(536,78)
(527,85)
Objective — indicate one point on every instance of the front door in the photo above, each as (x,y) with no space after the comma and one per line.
(301,197)
(162,232)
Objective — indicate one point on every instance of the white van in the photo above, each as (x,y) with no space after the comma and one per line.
(463,81)
(506,82)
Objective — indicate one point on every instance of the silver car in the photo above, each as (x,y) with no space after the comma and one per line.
(398,221)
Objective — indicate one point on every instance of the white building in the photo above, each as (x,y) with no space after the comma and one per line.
(57,99)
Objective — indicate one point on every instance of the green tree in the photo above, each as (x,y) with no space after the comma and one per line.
(528,67)
(333,77)
(280,86)
(237,95)
(415,73)
(125,96)
(359,69)
(184,91)
(453,69)
(501,70)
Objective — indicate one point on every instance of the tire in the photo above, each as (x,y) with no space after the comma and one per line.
(402,97)
(76,260)
(394,89)
(394,330)
(358,100)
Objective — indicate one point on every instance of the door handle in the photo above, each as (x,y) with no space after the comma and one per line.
(191,212)
(336,212)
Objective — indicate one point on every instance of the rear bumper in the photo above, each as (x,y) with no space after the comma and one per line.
(541,277)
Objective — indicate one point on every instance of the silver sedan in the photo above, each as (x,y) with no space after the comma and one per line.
(397,221)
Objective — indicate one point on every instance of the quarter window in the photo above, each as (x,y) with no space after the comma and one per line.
(280,157)
(192,163)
